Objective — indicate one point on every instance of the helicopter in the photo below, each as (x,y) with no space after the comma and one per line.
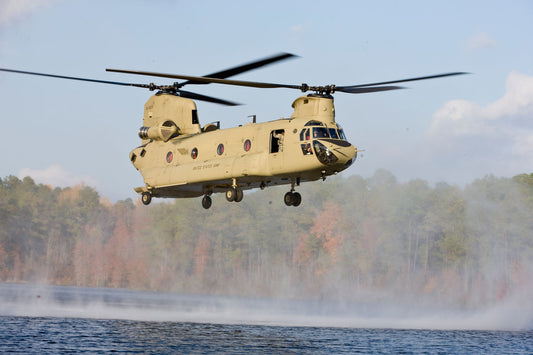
(178,158)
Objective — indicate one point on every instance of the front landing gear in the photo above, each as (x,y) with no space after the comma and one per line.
(206,202)
(292,199)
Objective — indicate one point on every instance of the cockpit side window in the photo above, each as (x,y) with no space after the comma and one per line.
(304,135)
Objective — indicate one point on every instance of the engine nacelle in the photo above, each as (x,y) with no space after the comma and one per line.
(159,133)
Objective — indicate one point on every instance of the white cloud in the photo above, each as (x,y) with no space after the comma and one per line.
(511,114)
(55,175)
(13,10)
(518,99)
(457,118)
(496,138)
(479,41)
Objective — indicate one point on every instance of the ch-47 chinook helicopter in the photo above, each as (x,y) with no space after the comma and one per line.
(180,158)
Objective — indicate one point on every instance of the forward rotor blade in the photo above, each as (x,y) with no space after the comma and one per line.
(207,80)
(402,80)
(245,67)
(75,78)
(364,90)
(195,96)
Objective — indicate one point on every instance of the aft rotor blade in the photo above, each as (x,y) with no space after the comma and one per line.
(245,67)
(364,90)
(195,96)
(342,88)
(207,80)
(75,78)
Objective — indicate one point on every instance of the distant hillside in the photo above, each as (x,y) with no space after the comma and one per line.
(351,239)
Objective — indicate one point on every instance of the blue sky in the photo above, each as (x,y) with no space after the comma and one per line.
(453,130)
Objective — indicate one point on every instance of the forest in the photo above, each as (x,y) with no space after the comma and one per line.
(352,239)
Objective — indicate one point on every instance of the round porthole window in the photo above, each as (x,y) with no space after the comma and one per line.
(194,153)
(220,149)
(170,156)
(247,145)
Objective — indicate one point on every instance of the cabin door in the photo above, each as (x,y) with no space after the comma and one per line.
(277,139)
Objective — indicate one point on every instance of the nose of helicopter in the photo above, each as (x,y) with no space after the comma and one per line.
(335,154)
(347,155)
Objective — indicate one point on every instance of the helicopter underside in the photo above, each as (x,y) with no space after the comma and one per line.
(233,188)
(192,190)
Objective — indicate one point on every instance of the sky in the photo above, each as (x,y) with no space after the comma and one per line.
(452,130)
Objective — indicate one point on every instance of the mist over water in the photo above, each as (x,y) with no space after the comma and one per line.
(103,303)
(358,253)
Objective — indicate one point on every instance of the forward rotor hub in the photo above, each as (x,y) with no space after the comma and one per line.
(319,90)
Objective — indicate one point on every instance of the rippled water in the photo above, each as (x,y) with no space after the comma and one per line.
(40,335)
(66,319)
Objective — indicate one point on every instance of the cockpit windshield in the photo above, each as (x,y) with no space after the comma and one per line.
(320,132)
(333,133)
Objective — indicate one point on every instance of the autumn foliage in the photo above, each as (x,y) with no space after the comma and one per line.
(350,237)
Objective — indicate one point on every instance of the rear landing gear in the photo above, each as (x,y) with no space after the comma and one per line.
(231,194)
(146,198)
(239,196)
(234,194)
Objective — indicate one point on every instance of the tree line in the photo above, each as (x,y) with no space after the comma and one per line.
(352,238)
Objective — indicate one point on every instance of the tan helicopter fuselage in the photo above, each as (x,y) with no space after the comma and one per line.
(178,158)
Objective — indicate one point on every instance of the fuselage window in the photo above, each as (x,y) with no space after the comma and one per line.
(195,117)
(333,133)
(194,153)
(170,156)
(320,132)
(247,145)
(220,149)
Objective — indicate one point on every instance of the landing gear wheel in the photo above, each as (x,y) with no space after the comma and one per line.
(146,198)
(292,199)
(239,195)
(296,199)
(231,194)
(288,199)
(206,202)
